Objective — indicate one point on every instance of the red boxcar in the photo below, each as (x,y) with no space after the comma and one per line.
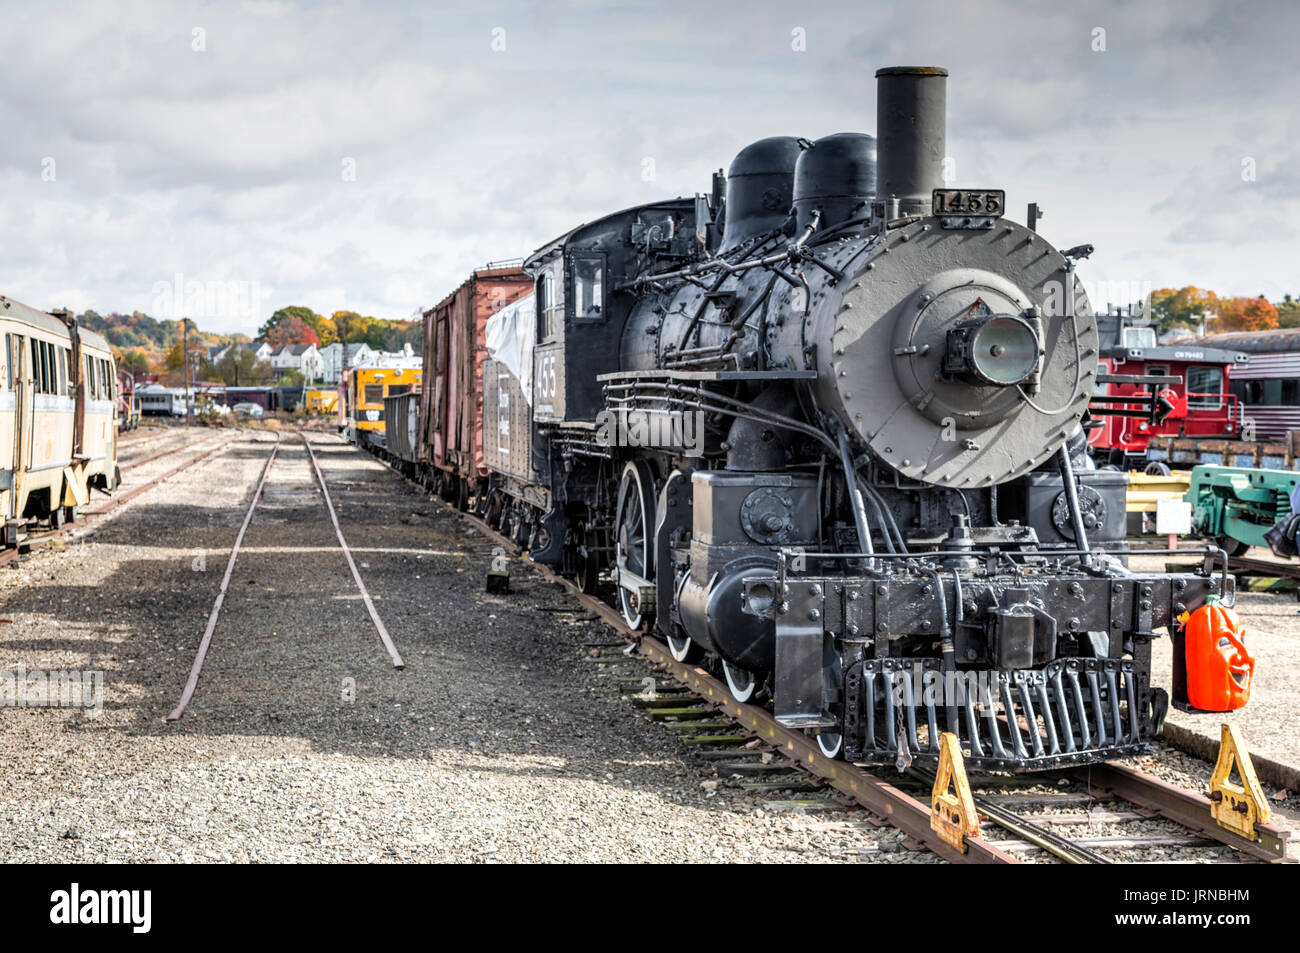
(451,401)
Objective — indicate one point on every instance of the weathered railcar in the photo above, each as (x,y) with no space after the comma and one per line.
(402,432)
(58,416)
(1268,389)
(450,441)
(128,402)
(159,401)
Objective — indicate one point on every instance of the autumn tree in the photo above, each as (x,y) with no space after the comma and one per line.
(196,348)
(294,325)
(325,330)
(1288,312)
(134,361)
(1182,307)
(350,326)
(291,330)
(1246,314)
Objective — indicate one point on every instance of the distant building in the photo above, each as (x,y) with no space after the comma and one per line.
(304,358)
(261,350)
(333,363)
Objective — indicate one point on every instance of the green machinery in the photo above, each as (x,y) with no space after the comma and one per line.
(1236,506)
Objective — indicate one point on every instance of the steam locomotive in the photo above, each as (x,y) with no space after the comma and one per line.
(822,428)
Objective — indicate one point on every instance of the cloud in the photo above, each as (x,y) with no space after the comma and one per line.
(226,163)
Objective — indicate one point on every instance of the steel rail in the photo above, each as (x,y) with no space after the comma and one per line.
(192,682)
(123,498)
(189,444)
(1188,809)
(1249,564)
(356,574)
(9,555)
(1027,830)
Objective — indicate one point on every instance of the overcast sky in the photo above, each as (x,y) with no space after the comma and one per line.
(365,156)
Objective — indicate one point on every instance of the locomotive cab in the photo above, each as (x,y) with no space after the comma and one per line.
(582,305)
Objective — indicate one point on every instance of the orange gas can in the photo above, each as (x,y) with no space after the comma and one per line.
(1219,668)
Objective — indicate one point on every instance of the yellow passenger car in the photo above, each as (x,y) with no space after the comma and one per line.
(365,388)
(58,416)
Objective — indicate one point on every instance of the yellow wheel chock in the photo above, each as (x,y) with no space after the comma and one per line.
(952,815)
(1237,807)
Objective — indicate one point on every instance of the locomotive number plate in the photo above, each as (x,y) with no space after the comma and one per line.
(982,203)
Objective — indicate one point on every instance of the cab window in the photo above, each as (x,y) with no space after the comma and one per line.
(1139,337)
(374,394)
(547,325)
(1207,384)
(589,287)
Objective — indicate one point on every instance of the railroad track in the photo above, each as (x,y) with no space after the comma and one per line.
(1264,567)
(34,542)
(214,615)
(707,717)
(138,461)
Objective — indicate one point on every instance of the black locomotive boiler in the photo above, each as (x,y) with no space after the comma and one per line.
(823,427)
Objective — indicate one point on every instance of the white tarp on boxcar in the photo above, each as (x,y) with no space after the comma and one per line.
(509,335)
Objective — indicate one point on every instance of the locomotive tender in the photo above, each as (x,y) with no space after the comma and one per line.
(885,517)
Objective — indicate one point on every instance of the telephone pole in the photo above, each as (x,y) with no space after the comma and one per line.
(185,365)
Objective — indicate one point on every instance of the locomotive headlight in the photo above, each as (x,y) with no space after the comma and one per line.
(999,350)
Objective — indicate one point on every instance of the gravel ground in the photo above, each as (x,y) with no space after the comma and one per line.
(302,743)
(1270,722)
(503,739)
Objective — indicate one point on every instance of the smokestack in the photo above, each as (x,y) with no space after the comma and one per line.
(911,107)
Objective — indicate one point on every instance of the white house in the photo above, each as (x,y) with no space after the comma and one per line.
(261,350)
(332,359)
(303,358)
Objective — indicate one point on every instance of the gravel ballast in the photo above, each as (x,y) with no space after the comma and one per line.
(504,739)
(497,742)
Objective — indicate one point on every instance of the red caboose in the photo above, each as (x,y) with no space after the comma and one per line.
(1188,383)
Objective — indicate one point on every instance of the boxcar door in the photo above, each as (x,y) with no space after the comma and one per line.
(22,421)
(439,412)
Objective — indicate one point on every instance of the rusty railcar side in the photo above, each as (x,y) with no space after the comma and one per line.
(401,428)
(451,404)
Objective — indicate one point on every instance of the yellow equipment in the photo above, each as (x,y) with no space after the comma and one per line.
(365,388)
(1146,490)
(952,812)
(1237,807)
(320,400)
